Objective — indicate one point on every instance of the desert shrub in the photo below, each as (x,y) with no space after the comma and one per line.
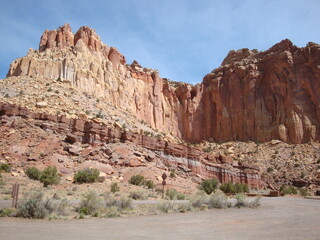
(304,192)
(165,206)
(100,115)
(209,185)
(227,187)
(124,203)
(218,200)
(181,196)
(243,201)
(8,212)
(136,180)
(121,204)
(138,195)
(171,193)
(284,189)
(33,173)
(49,176)
(182,208)
(207,149)
(241,188)
(90,203)
(112,212)
(33,206)
(114,187)
(4,167)
(270,169)
(2,182)
(87,175)
(199,200)
(57,205)
(149,184)
(172,173)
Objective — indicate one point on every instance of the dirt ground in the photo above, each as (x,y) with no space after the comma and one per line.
(277,218)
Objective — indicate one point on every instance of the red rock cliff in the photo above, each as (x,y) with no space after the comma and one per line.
(254,95)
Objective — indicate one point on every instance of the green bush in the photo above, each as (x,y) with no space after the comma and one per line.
(149,184)
(241,188)
(8,212)
(171,193)
(228,187)
(90,204)
(181,196)
(207,149)
(136,180)
(173,173)
(2,182)
(49,176)
(137,195)
(209,185)
(4,167)
(270,169)
(33,173)
(284,189)
(87,175)
(114,187)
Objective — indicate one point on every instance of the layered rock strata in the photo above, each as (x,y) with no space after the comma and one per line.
(200,163)
(257,96)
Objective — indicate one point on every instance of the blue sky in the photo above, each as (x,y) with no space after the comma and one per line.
(183,39)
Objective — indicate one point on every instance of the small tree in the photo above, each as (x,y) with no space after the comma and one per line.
(209,185)
(241,188)
(33,173)
(228,187)
(87,175)
(136,180)
(149,184)
(172,173)
(4,167)
(49,176)
(114,187)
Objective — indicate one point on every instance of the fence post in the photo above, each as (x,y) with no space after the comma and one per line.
(15,194)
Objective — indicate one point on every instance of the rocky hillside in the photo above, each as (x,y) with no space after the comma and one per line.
(257,96)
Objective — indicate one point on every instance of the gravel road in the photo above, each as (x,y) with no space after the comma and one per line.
(277,218)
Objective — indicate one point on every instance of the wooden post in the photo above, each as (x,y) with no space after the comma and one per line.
(15,194)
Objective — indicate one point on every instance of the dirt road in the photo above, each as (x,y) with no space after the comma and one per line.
(277,218)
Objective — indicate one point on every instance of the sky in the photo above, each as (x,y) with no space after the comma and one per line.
(183,39)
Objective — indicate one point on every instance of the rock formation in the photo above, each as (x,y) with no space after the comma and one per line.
(257,96)
(189,158)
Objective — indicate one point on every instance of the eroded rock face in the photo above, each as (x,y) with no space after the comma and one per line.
(266,95)
(256,96)
(60,38)
(206,165)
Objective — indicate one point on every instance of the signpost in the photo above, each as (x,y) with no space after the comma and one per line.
(164,177)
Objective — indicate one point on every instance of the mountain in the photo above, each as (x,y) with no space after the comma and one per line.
(78,100)
(252,96)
